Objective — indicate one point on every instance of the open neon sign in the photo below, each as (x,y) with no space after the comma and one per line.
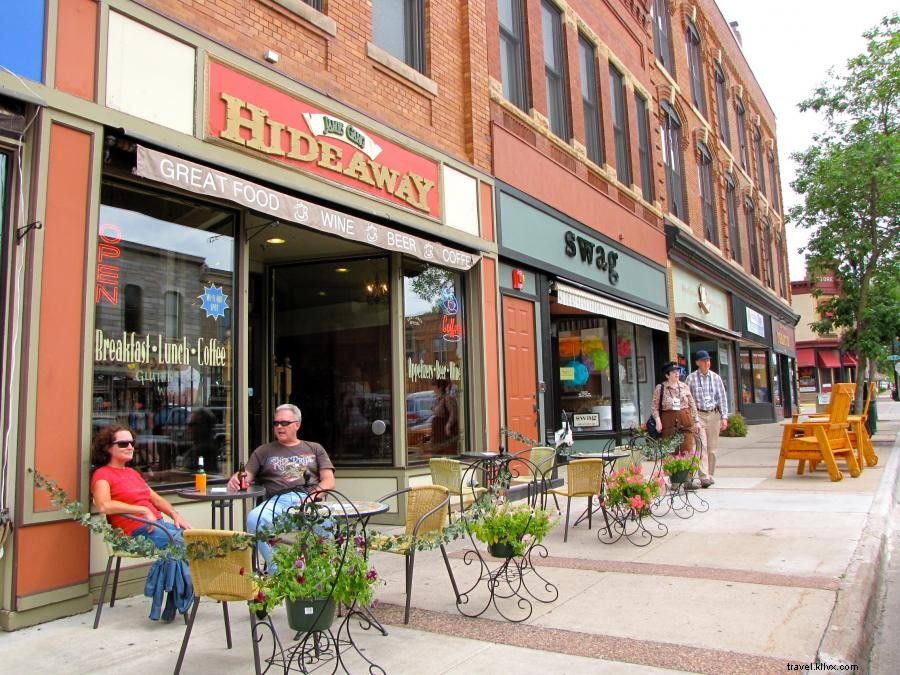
(108,251)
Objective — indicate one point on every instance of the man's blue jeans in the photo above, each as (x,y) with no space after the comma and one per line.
(264,514)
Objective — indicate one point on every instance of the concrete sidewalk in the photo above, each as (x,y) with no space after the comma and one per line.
(776,572)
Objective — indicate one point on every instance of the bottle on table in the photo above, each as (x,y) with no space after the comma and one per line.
(242,479)
(200,476)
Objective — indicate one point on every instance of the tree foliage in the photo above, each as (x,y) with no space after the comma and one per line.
(848,179)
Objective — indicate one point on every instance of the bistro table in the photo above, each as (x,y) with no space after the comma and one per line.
(222,498)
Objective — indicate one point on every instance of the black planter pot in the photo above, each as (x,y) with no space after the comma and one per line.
(501,550)
(310,615)
(679,476)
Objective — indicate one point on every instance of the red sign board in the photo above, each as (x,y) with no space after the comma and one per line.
(285,129)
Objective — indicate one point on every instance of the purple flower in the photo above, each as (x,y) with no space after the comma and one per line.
(372,575)
(300,563)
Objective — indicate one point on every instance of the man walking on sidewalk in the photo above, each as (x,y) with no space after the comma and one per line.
(712,408)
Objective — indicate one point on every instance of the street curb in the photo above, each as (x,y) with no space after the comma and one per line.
(847,636)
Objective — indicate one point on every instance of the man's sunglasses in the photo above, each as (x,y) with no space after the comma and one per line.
(284,423)
(123,444)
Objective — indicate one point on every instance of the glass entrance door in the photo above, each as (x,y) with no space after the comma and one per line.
(330,354)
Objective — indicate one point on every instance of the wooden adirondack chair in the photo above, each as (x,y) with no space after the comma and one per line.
(821,440)
(859,436)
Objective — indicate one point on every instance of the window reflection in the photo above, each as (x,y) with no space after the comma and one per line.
(584,372)
(166,375)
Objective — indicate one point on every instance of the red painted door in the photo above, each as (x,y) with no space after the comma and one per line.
(520,371)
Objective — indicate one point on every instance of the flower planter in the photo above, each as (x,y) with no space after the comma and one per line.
(679,476)
(310,615)
(501,550)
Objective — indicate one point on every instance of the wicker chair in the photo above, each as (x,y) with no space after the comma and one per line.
(225,578)
(426,506)
(534,472)
(583,478)
(117,555)
(450,473)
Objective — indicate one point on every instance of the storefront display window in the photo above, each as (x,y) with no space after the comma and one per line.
(725,372)
(755,386)
(171,383)
(435,340)
(584,372)
(776,381)
(806,378)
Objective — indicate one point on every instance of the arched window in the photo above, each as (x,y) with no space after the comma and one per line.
(722,105)
(734,233)
(752,238)
(662,34)
(695,65)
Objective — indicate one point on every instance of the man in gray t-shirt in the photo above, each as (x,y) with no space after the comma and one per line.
(287,462)
(277,467)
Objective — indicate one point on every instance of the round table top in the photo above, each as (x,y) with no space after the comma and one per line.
(352,509)
(215,493)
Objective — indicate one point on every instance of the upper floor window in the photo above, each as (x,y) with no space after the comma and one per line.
(734,233)
(782,271)
(646,161)
(722,106)
(742,134)
(752,238)
(173,319)
(662,34)
(772,179)
(132,309)
(593,131)
(620,126)
(760,167)
(318,5)
(707,198)
(767,249)
(398,27)
(671,151)
(513,70)
(555,71)
(695,65)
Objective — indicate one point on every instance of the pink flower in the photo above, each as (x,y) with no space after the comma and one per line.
(637,502)
(372,575)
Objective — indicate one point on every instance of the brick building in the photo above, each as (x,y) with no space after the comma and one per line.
(349,205)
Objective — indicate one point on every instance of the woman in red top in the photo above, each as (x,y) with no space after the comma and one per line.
(117,488)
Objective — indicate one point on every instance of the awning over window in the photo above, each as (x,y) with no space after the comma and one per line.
(849,360)
(706,329)
(829,358)
(595,304)
(806,358)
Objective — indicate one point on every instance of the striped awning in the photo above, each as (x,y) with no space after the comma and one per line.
(596,304)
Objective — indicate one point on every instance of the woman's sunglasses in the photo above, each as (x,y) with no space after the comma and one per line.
(123,444)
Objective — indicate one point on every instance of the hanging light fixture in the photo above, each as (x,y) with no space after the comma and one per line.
(376,290)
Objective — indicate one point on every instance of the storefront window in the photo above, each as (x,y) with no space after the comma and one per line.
(584,372)
(435,344)
(725,372)
(776,380)
(755,376)
(806,378)
(646,372)
(628,374)
(169,381)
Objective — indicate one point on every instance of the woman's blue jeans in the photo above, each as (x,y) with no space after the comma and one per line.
(157,536)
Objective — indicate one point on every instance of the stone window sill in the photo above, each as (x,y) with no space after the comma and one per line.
(397,67)
(310,15)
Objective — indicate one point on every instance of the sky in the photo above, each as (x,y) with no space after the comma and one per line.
(790,45)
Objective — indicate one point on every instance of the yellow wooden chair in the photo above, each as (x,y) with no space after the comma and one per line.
(451,474)
(535,472)
(583,477)
(859,435)
(821,440)
(224,578)
(426,509)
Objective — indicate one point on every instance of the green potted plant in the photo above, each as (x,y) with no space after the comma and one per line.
(680,467)
(629,488)
(312,572)
(510,528)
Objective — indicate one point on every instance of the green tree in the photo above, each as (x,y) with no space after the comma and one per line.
(848,180)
